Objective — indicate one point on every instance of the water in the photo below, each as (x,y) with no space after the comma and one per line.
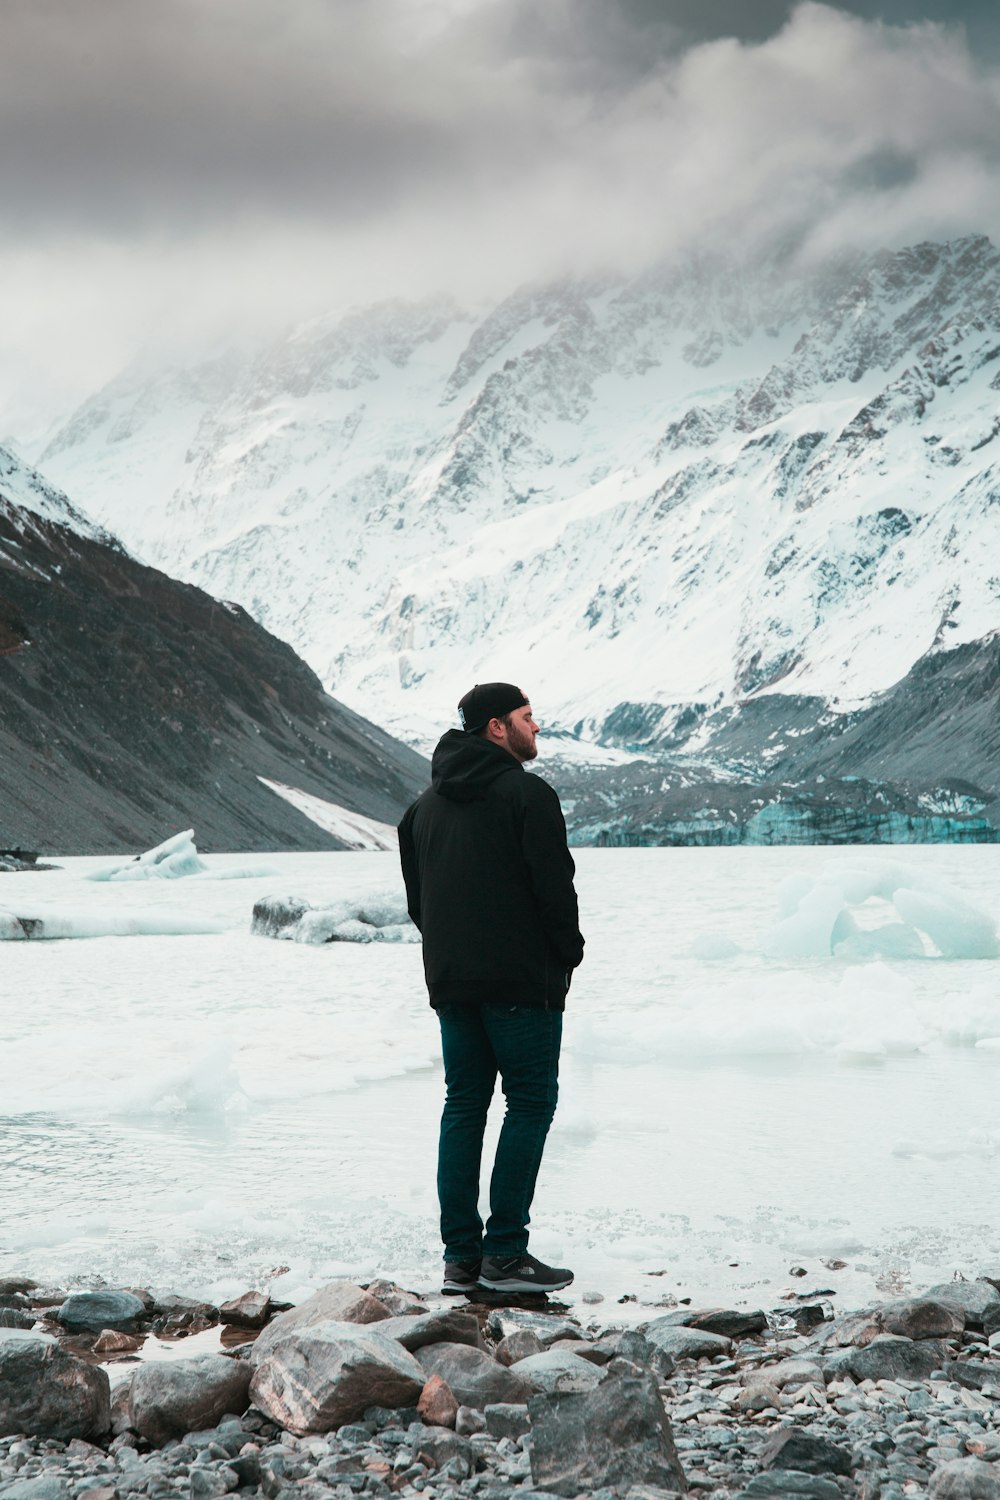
(210,1111)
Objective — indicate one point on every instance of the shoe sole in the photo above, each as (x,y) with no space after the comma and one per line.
(450,1290)
(511,1284)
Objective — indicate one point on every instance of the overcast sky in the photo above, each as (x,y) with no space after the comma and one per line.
(173,167)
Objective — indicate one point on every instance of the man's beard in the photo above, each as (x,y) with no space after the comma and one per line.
(521,742)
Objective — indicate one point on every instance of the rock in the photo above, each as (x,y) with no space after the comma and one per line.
(759,1396)
(16,1317)
(922,1318)
(616,1435)
(975,1298)
(507,1419)
(437,1405)
(635,1347)
(965,1479)
(889,1357)
(452,1326)
(248,1311)
(685,1343)
(730,1323)
(399,1302)
(437,1449)
(581,1349)
(339,1302)
(991,1319)
(47,1392)
(95,1311)
(799,1370)
(520,1344)
(316,1379)
(476,1379)
(554,1370)
(503,1321)
(168,1398)
(798,1448)
(45,1487)
(16,1285)
(974,1373)
(117,1343)
(793,1484)
(469,1421)
(168,1304)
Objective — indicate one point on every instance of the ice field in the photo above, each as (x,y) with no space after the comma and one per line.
(773,1057)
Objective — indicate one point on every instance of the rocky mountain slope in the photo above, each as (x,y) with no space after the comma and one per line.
(676,508)
(132,706)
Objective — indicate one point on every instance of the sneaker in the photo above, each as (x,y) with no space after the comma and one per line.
(460,1276)
(521,1273)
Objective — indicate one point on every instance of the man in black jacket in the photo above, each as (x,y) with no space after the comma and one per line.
(489,883)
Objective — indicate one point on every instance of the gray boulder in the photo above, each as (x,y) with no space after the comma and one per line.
(889,1357)
(475,1378)
(339,1302)
(317,1379)
(451,1326)
(975,1298)
(965,1479)
(47,1392)
(614,1436)
(507,1419)
(549,1327)
(808,1452)
(791,1484)
(92,1312)
(167,1398)
(685,1343)
(557,1370)
(727,1321)
(923,1318)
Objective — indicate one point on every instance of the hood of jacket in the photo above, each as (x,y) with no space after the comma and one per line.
(464,767)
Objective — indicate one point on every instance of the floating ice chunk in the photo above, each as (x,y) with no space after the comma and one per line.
(376,917)
(171,860)
(832,916)
(40,924)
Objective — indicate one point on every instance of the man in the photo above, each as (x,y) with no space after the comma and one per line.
(489,883)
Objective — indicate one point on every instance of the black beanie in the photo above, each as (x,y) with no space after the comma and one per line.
(486,701)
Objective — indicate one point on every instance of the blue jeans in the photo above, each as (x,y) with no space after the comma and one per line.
(521,1043)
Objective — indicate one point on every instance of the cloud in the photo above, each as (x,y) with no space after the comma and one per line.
(203,163)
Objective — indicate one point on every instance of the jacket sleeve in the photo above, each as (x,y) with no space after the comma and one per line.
(408,861)
(551,870)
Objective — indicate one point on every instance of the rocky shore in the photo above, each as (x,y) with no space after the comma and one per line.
(364,1390)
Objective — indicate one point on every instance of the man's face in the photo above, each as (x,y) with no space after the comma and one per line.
(520,732)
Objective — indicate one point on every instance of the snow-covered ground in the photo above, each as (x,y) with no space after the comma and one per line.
(197,1110)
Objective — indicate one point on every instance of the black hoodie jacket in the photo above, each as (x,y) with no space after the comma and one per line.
(489,879)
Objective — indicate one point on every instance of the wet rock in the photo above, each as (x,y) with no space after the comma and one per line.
(339,1302)
(92,1312)
(617,1435)
(553,1370)
(117,1343)
(16,1285)
(975,1298)
(47,1392)
(437,1405)
(965,1479)
(476,1379)
(451,1326)
(549,1327)
(726,1321)
(171,1397)
(809,1453)
(922,1318)
(793,1484)
(16,1317)
(888,1357)
(315,1379)
(248,1311)
(507,1419)
(685,1343)
(397,1299)
(520,1344)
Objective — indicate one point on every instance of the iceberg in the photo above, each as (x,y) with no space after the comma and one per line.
(822,917)
(175,859)
(378,917)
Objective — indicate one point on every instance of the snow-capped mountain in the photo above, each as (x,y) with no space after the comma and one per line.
(646,501)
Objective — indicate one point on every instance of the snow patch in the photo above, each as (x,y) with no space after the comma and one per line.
(353,829)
